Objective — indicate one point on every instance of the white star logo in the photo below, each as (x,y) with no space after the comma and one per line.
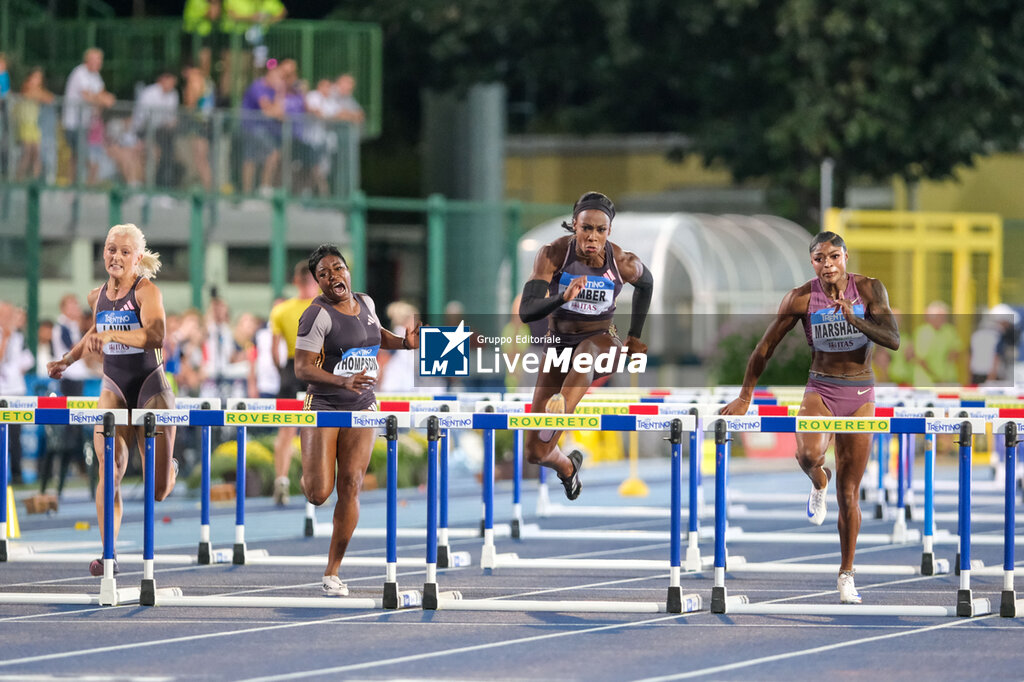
(456,338)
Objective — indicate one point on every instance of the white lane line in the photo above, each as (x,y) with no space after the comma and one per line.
(807,652)
(175,640)
(448,652)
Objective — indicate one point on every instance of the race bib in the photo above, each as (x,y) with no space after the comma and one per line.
(121,321)
(831,333)
(355,360)
(597,297)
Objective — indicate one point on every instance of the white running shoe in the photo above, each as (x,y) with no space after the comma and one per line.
(281,485)
(817,502)
(847,590)
(333,587)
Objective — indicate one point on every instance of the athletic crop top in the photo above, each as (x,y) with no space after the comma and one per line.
(345,344)
(120,362)
(597,300)
(827,330)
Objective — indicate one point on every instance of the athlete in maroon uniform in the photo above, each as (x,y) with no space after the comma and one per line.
(128,329)
(574,283)
(843,314)
(336,354)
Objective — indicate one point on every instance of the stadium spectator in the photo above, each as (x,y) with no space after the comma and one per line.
(85,95)
(15,360)
(198,99)
(349,109)
(263,109)
(321,108)
(936,348)
(155,122)
(398,367)
(252,18)
(26,124)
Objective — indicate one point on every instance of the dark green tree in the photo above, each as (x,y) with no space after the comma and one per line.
(911,88)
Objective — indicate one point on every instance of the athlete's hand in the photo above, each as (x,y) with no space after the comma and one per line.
(574,288)
(635,346)
(412,338)
(736,407)
(55,368)
(94,342)
(845,306)
(359,382)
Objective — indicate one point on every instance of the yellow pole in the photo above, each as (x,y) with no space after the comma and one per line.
(634,485)
(13,529)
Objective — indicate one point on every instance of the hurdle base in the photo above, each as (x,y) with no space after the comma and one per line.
(483,524)
(430,596)
(147,592)
(674,601)
(310,528)
(718,599)
(964,604)
(514,528)
(238,554)
(444,553)
(488,557)
(1008,604)
(390,600)
(205,553)
(928,563)
(879,511)
(3,549)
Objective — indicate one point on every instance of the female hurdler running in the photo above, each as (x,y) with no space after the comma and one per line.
(843,314)
(574,283)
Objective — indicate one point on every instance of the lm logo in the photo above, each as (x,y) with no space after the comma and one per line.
(444,351)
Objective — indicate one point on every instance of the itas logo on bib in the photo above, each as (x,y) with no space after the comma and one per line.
(444,351)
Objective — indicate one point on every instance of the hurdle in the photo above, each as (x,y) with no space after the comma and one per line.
(392,597)
(425,403)
(676,601)
(965,604)
(109,594)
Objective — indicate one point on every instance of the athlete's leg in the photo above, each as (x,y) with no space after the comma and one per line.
(546,452)
(353,456)
(166,472)
(852,453)
(576,384)
(319,446)
(123,437)
(811,447)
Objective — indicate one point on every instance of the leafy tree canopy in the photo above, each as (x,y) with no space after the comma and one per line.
(769,87)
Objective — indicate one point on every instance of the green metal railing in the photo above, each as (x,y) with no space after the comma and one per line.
(434,213)
(137,50)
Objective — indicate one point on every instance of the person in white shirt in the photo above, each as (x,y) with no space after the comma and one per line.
(15,360)
(323,107)
(155,122)
(84,96)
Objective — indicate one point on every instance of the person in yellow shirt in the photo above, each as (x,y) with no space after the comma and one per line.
(284,325)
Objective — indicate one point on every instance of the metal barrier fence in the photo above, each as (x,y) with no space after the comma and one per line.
(226,152)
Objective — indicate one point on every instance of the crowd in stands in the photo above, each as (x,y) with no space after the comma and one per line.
(180,130)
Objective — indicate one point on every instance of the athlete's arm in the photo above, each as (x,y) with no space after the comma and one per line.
(55,369)
(633,271)
(790,311)
(390,341)
(535,304)
(152,317)
(878,323)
